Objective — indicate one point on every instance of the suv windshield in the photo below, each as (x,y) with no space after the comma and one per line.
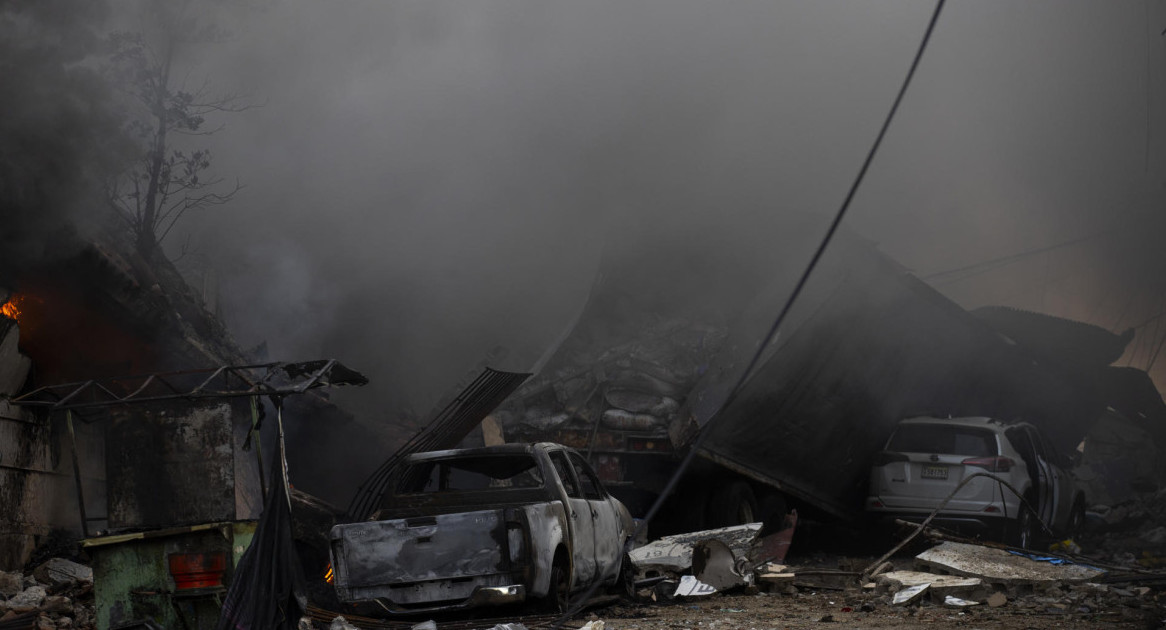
(460,474)
(943,439)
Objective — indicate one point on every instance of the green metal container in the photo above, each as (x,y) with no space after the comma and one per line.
(135,581)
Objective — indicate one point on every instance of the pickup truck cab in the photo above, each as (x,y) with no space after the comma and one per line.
(473,527)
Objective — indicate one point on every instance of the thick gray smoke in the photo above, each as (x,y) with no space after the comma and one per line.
(59,132)
(431,179)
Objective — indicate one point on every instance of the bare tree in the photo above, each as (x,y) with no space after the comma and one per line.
(167,182)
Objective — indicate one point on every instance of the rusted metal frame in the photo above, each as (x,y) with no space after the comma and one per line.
(78,387)
(254,389)
(302,387)
(64,400)
(208,380)
(77,473)
(142,387)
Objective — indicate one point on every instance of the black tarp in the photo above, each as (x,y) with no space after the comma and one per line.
(267,590)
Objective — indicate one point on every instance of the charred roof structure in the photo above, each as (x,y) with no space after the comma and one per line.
(638,378)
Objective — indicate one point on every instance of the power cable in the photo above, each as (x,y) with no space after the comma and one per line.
(825,242)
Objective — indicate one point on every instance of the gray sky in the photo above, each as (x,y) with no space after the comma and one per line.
(430,179)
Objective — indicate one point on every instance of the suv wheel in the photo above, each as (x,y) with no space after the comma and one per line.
(1023,529)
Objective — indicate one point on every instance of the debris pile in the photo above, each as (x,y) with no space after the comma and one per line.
(56,594)
(1131,533)
(637,385)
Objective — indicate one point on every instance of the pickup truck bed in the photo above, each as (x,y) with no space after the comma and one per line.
(441,544)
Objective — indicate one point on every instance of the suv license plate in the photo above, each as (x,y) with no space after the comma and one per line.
(934,472)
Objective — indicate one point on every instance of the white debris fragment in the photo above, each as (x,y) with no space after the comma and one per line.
(952,600)
(909,594)
(691,587)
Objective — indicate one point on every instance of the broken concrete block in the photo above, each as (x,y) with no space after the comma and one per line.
(997,599)
(57,604)
(340,623)
(58,571)
(997,566)
(10,583)
(27,600)
(909,594)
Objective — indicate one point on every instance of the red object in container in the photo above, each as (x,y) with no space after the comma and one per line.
(197,570)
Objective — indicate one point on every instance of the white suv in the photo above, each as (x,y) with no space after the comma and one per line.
(926,458)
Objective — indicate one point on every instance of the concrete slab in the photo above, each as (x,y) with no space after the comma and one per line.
(997,566)
(939,583)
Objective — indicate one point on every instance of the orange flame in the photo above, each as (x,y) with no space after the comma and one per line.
(328,575)
(11,308)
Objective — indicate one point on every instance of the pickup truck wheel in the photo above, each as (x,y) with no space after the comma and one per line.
(558,599)
(627,578)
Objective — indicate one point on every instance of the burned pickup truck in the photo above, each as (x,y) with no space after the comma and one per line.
(485,526)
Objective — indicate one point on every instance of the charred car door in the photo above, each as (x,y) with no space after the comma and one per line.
(605,519)
(581,524)
(1063,485)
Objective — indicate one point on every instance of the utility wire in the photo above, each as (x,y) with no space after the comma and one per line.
(984,266)
(745,375)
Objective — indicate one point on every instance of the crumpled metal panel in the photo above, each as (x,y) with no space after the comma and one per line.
(444,430)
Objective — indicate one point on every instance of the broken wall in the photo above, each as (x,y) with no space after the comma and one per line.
(37,490)
(180,463)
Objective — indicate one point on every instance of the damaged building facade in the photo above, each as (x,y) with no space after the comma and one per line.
(102,313)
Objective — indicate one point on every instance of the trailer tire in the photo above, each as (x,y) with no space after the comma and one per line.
(735,505)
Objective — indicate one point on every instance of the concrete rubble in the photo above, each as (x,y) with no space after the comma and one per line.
(1130,533)
(998,566)
(56,594)
(673,554)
